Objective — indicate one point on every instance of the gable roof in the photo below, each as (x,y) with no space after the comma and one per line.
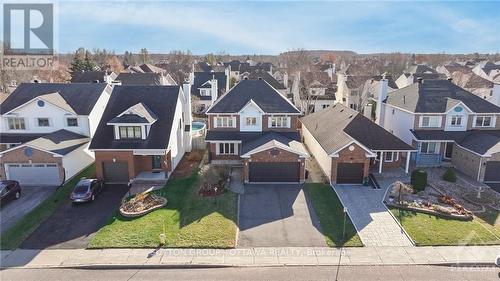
(200,78)
(88,77)
(265,96)
(146,79)
(160,100)
(138,113)
(338,126)
(419,69)
(81,97)
(274,139)
(261,74)
(432,96)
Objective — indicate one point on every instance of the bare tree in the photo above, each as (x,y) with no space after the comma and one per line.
(114,64)
(180,65)
(296,61)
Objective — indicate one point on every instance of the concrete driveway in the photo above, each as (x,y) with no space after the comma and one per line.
(14,210)
(375,225)
(72,226)
(277,216)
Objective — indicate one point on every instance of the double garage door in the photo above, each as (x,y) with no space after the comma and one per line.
(34,174)
(274,172)
(350,173)
(492,172)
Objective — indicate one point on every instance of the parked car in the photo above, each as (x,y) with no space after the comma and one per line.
(86,190)
(497,261)
(9,190)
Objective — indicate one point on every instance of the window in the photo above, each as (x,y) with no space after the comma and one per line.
(43,122)
(225,122)
(456,120)
(391,156)
(430,121)
(325,106)
(279,122)
(72,122)
(130,132)
(227,148)
(205,92)
(251,121)
(483,121)
(16,123)
(428,147)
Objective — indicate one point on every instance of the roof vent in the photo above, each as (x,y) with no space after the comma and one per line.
(404,99)
(36,81)
(419,80)
(449,79)
(350,116)
(260,78)
(96,81)
(246,78)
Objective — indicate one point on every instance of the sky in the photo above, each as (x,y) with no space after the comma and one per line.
(272,27)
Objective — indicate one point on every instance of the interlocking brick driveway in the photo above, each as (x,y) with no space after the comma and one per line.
(374,223)
(277,216)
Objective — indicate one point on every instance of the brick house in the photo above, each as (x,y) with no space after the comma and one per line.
(145,130)
(347,145)
(255,126)
(447,125)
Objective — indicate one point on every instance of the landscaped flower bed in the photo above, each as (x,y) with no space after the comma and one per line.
(215,180)
(141,204)
(402,196)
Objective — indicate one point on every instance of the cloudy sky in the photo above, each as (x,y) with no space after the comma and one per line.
(271,27)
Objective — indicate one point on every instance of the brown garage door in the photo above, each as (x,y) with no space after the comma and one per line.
(492,173)
(115,172)
(350,173)
(274,172)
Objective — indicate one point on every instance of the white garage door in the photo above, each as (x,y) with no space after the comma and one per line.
(34,174)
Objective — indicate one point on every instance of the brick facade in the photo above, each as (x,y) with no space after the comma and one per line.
(358,155)
(282,156)
(18,156)
(136,163)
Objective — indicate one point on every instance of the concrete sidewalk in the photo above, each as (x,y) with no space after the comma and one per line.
(136,258)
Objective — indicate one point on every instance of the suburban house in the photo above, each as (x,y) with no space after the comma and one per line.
(451,68)
(145,68)
(313,91)
(145,79)
(415,72)
(143,133)
(478,85)
(255,126)
(487,70)
(347,145)
(93,77)
(45,127)
(447,125)
(236,68)
(206,88)
(264,75)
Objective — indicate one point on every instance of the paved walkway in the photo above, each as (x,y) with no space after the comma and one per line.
(375,225)
(140,258)
(277,216)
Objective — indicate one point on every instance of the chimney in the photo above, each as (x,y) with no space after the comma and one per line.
(285,79)
(495,94)
(382,95)
(215,90)
(188,117)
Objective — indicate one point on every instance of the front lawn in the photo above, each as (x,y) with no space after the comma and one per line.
(13,237)
(188,220)
(429,230)
(330,213)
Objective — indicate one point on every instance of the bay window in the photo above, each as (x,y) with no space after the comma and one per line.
(428,147)
(16,123)
(483,121)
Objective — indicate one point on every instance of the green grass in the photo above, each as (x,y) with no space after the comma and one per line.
(331,216)
(429,230)
(12,238)
(188,221)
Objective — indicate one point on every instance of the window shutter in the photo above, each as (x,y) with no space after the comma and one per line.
(288,122)
(214,120)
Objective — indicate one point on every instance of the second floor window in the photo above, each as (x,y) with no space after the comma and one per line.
(205,92)
(456,120)
(483,121)
(224,122)
(72,122)
(251,121)
(16,123)
(43,122)
(130,132)
(430,121)
(279,122)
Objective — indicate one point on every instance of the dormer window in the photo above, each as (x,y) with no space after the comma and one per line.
(205,92)
(130,132)
(456,120)
(72,122)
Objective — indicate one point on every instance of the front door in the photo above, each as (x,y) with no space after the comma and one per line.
(156,162)
(449,150)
